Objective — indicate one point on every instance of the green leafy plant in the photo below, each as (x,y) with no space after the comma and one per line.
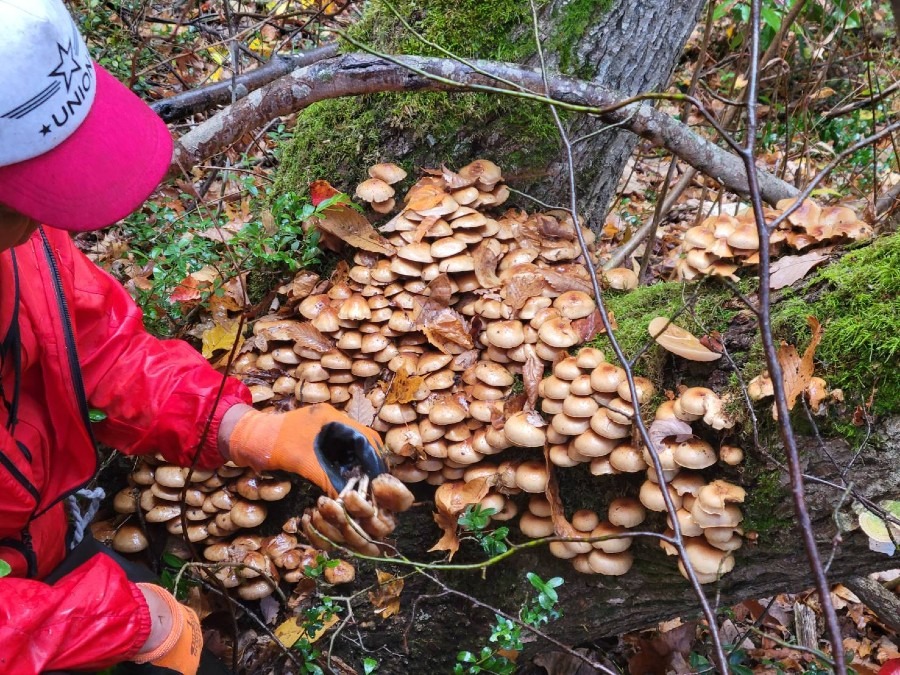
(475,519)
(506,635)
(318,568)
(5,569)
(315,619)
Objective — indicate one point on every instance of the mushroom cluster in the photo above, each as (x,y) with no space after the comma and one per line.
(217,503)
(721,244)
(443,345)
(361,516)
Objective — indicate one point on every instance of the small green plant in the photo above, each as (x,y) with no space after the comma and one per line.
(5,569)
(315,619)
(318,568)
(171,567)
(506,636)
(370,665)
(475,519)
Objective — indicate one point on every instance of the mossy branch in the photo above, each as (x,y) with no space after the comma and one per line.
(358,74)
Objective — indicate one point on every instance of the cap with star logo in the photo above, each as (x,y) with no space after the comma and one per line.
(78,150)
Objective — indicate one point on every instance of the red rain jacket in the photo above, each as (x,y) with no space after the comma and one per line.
(157,396)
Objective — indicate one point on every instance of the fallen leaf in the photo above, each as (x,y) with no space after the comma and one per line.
(386,598)
(360,408)
(269,608)
(353,228)
(549,227)
(561,526)
(522,287)
(320,190)
(403,387)
(422,197)
(487,256)
(591,326)
(449,540)
(661,429)
(791,268)
(453,497)
(221,336)
(532,374)
(679,341)
(566,282)
(439,291)
(292,630)
(797,372)
(303,283)
(445,329)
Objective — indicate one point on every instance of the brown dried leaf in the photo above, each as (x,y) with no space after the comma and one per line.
(422,197)
(449,540)
(532,374)
(353,228)
(445,329)
(520,288)
(424,227)
(791,268)
(661,429)
(309,337)
(303,283)
(487,256)
(549,227)
(591,326)
(563,282)
(797,372)
(514,404)
(453,180)
(439,291)
(403,387)
(561,526)
(360,408)
(386,598)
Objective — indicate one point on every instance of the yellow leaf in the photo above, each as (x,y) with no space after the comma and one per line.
(386,599)
(221,336)
(291,630)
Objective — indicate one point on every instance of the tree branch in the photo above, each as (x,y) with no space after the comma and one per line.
(356,74)
(177,107)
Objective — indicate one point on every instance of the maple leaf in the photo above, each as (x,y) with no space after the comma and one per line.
(445,329)
(796,371)
(522,287)
(449,540)
(403,387)
(451,499)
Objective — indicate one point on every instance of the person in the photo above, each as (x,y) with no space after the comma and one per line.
(79,151)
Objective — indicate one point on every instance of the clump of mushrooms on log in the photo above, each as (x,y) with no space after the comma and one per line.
(462,332)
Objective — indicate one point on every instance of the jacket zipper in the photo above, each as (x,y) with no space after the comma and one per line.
(74,367)
(20,477)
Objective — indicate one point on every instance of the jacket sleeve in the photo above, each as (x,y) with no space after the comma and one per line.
(103,617)
(158,395)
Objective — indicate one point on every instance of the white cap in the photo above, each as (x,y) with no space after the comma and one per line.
(47,82)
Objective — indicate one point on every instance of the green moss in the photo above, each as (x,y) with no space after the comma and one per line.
(635,309)
(336,140)
(576,17)
(857,300)
(763,495)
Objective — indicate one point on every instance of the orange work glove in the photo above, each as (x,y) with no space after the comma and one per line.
(180,650)
(317,442)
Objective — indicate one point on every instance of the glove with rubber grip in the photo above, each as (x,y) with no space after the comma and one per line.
(180,650)
(317,442)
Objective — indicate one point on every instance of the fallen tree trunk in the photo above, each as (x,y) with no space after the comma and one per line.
(356,74)
(433,626)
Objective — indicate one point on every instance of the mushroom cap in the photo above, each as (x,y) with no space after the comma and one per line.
(387,172)
(559,333)
(554,387)
(679,341)
(521,432)
(651,496)
(626,512)
(610,564)
(730,516)
(606,378)
(567,425)
(644,387)
(627,459)
(731,455)
(589,358)
(248,514)
(607,529)
(591,444)
(374,190)
(585,520)
(575,305)
(171,476)
(707,559)
(716,495)
(539,506)
(531,476)
(129,539)
(694,453)
(567,368)
(580,406)
(493,374)
(604,426)
(621,278)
